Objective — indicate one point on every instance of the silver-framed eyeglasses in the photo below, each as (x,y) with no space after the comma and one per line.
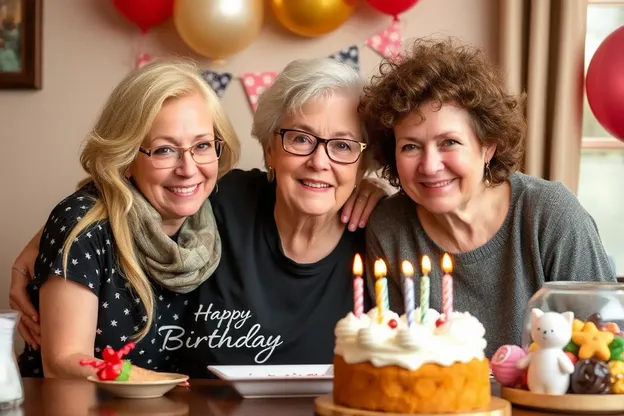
(167,156)
(302,143)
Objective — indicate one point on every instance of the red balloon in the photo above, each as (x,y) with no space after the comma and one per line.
(392,7)
(145,13)
(605,83)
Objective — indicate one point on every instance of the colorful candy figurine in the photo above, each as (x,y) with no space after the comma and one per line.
(504,365)
(549,368)
(112,367)
(616,370)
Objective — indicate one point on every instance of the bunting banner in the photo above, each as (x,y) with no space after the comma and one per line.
(387,43)
(218,81)
(255,83)
(349,55)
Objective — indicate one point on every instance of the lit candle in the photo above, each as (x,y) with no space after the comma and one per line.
(358,287)
(381,288)
(447,286)
(425,287)
(408,291)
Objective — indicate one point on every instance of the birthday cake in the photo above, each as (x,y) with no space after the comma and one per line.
(433,365)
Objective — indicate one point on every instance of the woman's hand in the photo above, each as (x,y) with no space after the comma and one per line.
(21,273)
(363,200)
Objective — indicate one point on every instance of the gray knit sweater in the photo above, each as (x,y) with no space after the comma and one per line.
(546,236)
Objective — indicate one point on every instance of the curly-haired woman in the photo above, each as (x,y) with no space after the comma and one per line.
(448,134)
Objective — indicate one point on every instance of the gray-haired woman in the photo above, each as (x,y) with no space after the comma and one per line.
(285,274)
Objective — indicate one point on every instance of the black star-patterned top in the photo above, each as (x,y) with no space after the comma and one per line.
(261,307)
(93,262)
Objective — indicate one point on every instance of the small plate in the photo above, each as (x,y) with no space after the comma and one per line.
(255,381)
(140,389)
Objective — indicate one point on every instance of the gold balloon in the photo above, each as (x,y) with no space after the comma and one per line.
(312,17)
(218,28)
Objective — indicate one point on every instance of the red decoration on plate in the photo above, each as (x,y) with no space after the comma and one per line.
(392,323)
(145,13)
(111,366)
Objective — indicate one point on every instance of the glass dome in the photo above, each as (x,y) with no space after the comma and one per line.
(575,347)
(599,302)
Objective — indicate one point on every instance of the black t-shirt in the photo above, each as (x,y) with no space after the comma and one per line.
(260,307)
(93,262)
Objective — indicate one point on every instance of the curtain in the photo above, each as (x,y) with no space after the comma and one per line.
(542,48)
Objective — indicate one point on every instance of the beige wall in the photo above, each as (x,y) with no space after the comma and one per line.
(88,49)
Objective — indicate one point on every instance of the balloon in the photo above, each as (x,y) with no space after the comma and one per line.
(605,83)
(392,7)
(218,28)
(145,13)
(312,17)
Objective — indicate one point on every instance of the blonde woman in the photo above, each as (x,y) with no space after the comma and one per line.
(118,257)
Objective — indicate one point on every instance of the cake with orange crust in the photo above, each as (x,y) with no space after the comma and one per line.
(437,366)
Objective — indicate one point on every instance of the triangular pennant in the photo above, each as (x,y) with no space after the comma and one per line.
(388,42)
(349,55)
(255,83)
(218,81)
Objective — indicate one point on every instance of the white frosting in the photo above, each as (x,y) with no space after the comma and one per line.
(364,339)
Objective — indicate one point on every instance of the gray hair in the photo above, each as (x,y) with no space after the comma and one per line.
(301,81)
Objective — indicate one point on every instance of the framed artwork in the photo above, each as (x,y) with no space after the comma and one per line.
(20,44)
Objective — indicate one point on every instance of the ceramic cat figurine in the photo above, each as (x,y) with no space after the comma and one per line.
(549,366)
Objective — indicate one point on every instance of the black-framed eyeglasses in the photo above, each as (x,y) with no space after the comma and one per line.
(302,143)
(167,157)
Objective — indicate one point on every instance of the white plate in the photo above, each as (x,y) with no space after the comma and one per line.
(255,381)
(140,389)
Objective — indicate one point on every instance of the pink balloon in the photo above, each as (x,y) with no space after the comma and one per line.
(604,83)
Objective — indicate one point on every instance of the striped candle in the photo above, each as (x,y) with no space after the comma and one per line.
(358,287)
(425,287)
(408,291)
(381,288)
(386,296)
(447,286)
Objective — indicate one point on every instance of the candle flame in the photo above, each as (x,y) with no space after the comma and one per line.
(380,268)
(357,265)
(425,264)
(447,264)
(408,270)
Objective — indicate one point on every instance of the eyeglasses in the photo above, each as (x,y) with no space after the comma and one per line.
(302,143)
(166,157)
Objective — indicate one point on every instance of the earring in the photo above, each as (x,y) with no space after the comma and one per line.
(271,174)
(487,174)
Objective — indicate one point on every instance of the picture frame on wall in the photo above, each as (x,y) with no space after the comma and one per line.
(20,44)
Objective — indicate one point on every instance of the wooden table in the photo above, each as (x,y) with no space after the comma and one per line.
(57,397)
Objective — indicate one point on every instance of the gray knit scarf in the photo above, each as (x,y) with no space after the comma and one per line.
(178,266)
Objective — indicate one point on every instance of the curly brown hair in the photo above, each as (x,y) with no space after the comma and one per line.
(445,71)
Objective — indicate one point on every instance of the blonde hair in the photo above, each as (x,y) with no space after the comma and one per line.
(300,82)
(113,144)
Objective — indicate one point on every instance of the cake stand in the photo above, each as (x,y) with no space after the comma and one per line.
(568,403)
(325,406)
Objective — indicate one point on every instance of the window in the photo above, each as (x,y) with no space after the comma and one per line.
(601,184)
